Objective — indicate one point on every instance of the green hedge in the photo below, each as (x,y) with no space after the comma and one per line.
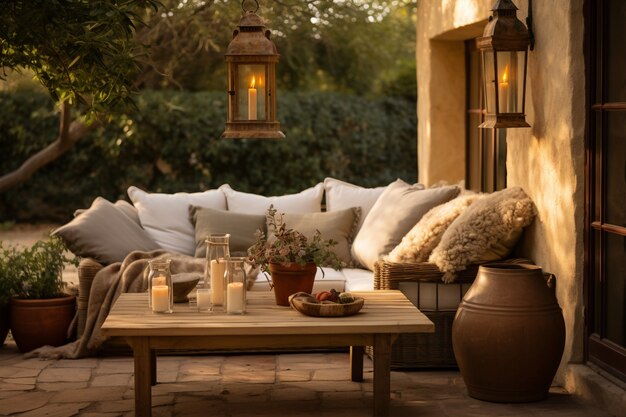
(171,143)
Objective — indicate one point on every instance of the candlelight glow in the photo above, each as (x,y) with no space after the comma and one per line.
(253,83)
(505,75)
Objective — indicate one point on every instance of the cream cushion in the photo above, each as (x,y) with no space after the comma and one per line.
(339,226)
(395,212)
(341,195)
(306,201)
(240,226)
(166,216)
(419,243)
(487,231)
(105,233)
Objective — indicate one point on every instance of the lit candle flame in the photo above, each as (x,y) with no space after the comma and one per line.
(253,83)
(505,75)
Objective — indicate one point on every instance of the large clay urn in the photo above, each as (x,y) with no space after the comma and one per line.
(508,334)
(291,278)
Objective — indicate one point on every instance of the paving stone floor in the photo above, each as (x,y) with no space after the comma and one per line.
(304,384)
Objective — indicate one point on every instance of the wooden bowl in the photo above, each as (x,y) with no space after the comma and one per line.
(329,309)
(183,285)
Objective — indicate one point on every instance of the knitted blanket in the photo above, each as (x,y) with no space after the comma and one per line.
(108,284)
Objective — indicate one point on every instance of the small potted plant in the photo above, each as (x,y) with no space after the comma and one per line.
(290,257)
(40,310)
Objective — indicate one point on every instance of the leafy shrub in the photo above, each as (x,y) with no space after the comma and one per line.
(171,143)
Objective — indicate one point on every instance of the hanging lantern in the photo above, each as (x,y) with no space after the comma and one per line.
(504,50)
(251,60)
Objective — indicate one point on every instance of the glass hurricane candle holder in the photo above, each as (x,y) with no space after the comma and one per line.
(235,286)
(160,288)
(217,252)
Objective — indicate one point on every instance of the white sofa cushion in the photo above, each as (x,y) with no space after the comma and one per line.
(166,216)
(358,279)
(395,212)
(306,201)
(341,195)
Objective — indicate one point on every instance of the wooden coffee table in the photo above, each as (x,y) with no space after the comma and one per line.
(385,315)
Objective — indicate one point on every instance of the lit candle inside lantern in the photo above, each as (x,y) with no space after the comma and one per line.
(235,297)
(252,100)
(217,281)
(160,298)
(504,91)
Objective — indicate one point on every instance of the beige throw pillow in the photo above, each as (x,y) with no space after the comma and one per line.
(339,226)
(395,212)
(306,201)
(419,243)
(105,233)
(487,231)
(241,227)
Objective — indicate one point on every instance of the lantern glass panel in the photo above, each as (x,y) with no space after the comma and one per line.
(251,88)
(511,81)
(489,77)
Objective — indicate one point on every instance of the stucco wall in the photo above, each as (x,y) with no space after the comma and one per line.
(547,160)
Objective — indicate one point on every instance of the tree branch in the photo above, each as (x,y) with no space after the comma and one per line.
(69,133)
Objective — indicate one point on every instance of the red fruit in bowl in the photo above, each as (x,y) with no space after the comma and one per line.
(322,295)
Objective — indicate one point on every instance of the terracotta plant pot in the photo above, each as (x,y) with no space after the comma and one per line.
(508,334)
(289,279)
(35,323)
(4,323)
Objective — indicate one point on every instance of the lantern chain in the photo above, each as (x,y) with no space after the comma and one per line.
(243,6)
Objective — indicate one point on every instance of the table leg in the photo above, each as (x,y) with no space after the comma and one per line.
(143,376)
(356,363)
(153,367)
(382,373)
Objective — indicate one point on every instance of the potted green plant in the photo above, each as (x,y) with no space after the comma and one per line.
(290,257)
(40,310)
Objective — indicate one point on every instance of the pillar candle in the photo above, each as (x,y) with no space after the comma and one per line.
(217,281)
(160,298)
(252,110)
(159,281)
(235,297)
(203,298)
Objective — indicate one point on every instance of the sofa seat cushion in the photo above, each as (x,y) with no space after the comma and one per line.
(358,279)
(166,216)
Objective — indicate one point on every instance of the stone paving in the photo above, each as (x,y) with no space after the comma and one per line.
(296,384)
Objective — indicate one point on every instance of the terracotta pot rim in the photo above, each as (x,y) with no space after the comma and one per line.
(506,268)
(292,266)
(66,299)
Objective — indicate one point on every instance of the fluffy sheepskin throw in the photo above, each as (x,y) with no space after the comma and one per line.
(418,244)
(487,231)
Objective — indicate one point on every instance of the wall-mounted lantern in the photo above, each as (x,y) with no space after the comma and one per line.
(504,50)
(251,60)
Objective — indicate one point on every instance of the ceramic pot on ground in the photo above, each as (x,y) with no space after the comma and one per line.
(291,278)
(508,334)
(35,323)
(4,323)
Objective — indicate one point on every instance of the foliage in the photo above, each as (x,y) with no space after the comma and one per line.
(79,50)
(35,272)
(172,144)
(286,246)
(359,46)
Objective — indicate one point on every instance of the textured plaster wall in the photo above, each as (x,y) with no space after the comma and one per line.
(547,160)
